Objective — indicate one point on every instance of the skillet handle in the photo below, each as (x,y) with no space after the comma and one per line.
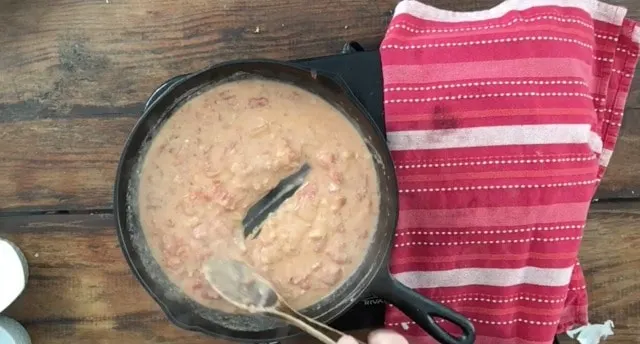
(423,310)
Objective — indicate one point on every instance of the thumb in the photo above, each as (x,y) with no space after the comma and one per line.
(347,340)
(386,337)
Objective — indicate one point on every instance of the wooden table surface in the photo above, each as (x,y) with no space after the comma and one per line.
(73,78)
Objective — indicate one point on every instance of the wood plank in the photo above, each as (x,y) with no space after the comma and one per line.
(78,58)
(71,165)
(136,331)
(610,261)
(620,179)
(60,164)
(81,290)
(75,58)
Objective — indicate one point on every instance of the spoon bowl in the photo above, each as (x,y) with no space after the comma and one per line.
(240,285)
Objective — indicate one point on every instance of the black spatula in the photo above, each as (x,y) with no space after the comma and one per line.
(259,212)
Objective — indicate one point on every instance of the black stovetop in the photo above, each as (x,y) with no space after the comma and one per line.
(362,72)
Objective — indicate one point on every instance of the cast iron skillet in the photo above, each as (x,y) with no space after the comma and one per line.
(372,276)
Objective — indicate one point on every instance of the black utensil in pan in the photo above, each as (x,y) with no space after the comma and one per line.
(371,276)
(259,212)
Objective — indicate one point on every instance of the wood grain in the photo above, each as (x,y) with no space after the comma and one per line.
(621,178)
(136,331)
(72,163)
(81,289)
(610,261)
(77,58)
(60,164)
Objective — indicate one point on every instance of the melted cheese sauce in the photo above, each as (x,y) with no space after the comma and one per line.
(226,148)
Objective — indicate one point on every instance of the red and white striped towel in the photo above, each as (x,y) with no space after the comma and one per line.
(501,124)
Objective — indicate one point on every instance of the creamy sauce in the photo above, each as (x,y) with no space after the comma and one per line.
(226,148)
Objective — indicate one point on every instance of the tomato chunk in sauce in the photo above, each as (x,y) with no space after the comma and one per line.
(222,151)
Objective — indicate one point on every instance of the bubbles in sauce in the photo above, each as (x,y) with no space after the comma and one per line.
(226,148)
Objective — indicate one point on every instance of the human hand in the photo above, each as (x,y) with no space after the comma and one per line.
(377,337)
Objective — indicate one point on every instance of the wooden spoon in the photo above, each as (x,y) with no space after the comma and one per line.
(244,288)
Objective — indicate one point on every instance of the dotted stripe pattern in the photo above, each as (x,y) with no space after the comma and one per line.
(615,113)
(623,73)
(486,83)
(490,322)
(496,162)
(604,59)
(487,41)
(496,231)
(487,242)
(573,20)
(408,27)
(517,156)
(627,52)
(482,295)
(491,95)
(617,124)
(521,298)
(501,187)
